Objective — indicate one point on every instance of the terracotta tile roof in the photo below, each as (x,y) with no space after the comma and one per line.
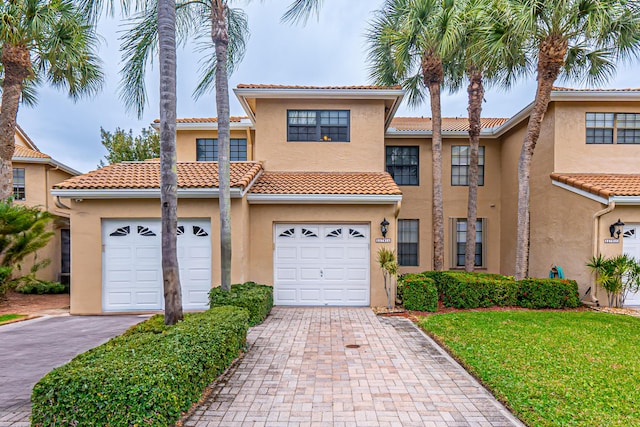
(451,124)
(232,119)
(603,185)
(28,153)
(375,183)
(147,175)
(568,89)
(267,86)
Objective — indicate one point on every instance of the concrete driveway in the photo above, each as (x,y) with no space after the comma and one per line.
(30,349)
(345,367)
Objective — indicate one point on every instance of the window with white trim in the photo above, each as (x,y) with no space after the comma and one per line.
(207,149)
(610,128)
(408,238)
(459,229)
(19,184)
(460,155)
(318,125)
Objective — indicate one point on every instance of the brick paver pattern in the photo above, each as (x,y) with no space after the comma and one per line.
(299,371)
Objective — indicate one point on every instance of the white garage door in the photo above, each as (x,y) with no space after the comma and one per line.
(321,264)
(132,266)
(631,246)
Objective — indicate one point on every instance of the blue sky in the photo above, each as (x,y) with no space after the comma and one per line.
(328,51)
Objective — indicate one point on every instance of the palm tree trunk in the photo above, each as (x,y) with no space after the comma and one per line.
(220,37)
(433,75)
(551,55)
(17,67)
(476,94)
(168,163)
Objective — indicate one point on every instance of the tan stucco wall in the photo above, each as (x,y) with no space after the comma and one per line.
(417,200)
(86,238)
(364,152)
(574,155)
(263,218)
(186,142)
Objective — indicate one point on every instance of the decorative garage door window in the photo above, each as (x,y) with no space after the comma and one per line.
(307,232)
(335,233)
(356,233)
(199,231)
(630,233)
(121,231)
(145,231)
(289,232)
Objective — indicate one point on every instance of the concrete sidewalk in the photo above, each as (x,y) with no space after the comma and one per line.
(345,367)
(32,348)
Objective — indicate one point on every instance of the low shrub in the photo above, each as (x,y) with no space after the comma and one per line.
(419,293)
(257,299)
(147,376)
(548,293)
(41,287)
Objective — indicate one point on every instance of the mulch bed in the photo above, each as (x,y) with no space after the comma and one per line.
(18,303)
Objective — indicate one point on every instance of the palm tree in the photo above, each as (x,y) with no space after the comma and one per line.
(408,40)
(488,52)
(219,26)
(576,39)
(41,41)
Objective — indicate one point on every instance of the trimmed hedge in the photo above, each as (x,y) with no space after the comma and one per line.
(148,376)
(418,292)
(41,287)
(257,299)
(548,293)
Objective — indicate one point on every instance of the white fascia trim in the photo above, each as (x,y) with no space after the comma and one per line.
(625,200)
(600,95)
(341,199)
(394,133)
(142,193)
(253,181)
(243,125)
(46,161)
(583,193)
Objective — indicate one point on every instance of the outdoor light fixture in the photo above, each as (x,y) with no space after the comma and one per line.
(616,229)
(383,227)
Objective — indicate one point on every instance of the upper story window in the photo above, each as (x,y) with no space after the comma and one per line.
(207,150)
(605,128)
(403,164)
(460,165)
(18,184)
(318,125)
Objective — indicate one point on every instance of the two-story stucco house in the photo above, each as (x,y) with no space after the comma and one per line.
(315,172)
(34,174)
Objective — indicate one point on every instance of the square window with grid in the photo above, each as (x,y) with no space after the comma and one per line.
(19,192)
(600,128)
(460,238)
(628,128)
(403,164)
(408,242)
(318,125)
(460,165)
(207,150)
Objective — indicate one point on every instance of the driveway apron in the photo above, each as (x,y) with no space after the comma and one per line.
(344,367)
(30,349)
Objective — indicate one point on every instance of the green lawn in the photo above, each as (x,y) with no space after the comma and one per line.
(7,317)
(551,368)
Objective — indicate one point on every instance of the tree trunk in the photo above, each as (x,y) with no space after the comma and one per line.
(476,94)
(17,68)
(168,163)
(433,75)
(220,37)
(551,55)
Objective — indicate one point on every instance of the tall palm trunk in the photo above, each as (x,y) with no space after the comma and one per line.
(550,60)
(17,68)
(220,37)
(476,94)
(433,75)
(168,163)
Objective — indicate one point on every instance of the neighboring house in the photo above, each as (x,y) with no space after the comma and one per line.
(34,174)
(313,177)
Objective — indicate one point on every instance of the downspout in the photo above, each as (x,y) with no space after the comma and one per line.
(59,204)
(596,246)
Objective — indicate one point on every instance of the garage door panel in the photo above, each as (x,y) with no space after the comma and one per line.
(317,264)
(631,245)
(147,276)
(121,253)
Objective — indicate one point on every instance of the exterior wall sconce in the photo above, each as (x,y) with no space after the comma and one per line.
(616,229)
(384,227)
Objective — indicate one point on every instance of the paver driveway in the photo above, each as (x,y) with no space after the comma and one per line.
(300,371)
(30,349)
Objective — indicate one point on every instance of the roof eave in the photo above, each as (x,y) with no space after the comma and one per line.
(625,200)
(394,133)
(368,199)
(580,192)
(208,125)
(47,161)
(141,193)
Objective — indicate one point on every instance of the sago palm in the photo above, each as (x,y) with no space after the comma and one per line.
(407,42)
(41,41)
(580,40)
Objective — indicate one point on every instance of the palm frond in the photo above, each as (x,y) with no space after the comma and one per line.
(301,10)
